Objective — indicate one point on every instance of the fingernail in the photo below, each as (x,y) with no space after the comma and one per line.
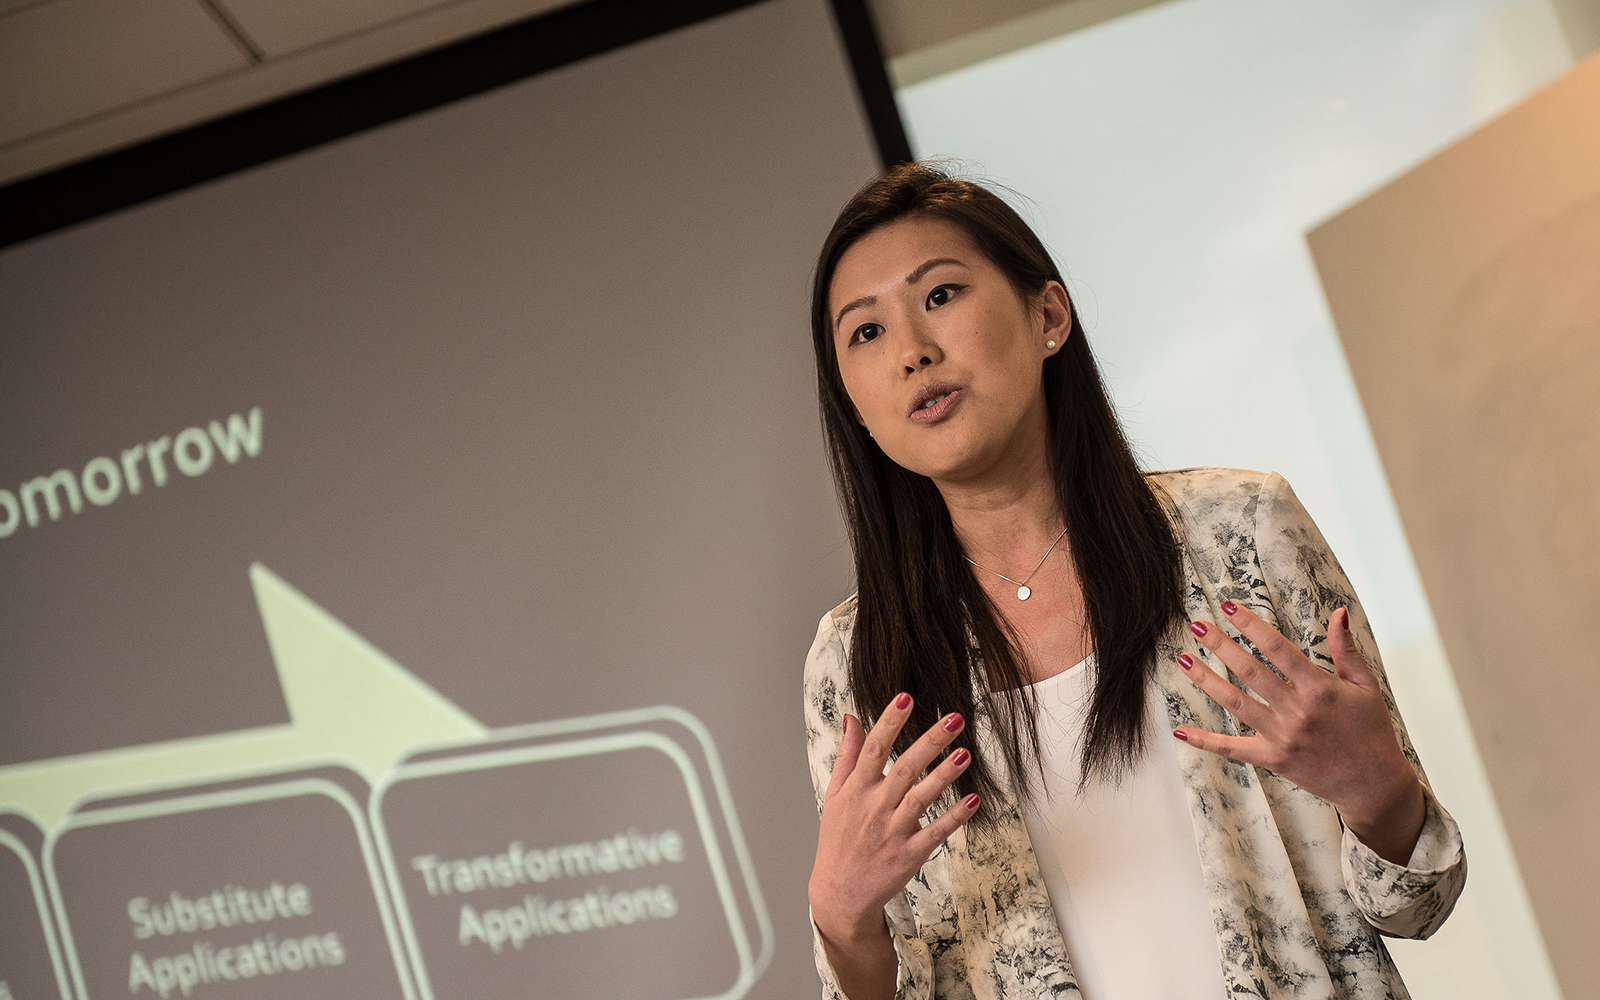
(1179,734)
(960,758)
(845,725)
(1185,660)
(1199,629)
(952,723)
(902,701)
(1228,608)
(971,801)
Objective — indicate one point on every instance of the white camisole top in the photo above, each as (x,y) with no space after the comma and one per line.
(1120,862)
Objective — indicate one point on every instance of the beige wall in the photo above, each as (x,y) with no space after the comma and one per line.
(1580,20)
(924,38)
(907,26)
(1467,295)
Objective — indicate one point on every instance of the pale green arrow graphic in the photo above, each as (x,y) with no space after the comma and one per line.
(348,701)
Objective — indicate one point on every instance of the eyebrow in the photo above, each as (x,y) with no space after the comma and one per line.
(911,279)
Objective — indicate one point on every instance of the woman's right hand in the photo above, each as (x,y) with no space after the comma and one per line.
(872,839)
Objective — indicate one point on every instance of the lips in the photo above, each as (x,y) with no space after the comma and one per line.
(933,401)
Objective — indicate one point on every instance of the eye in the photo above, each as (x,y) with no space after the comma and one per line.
(942,294)
(866,332)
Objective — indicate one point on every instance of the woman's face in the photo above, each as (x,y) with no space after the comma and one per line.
(920,315)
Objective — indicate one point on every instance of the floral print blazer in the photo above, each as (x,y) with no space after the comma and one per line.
(1298,902)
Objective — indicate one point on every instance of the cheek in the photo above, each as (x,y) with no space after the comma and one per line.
(863,392)
(1017,369)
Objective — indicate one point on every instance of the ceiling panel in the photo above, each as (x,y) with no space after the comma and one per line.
(69,60)
(280,27)
(8,6)
(277,27)
(152,110)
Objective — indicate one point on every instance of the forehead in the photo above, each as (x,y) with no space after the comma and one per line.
(881,259)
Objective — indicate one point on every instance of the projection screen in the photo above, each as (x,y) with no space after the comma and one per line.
(410,547)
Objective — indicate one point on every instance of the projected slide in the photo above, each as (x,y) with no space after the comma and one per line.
(586,850)
(409,548)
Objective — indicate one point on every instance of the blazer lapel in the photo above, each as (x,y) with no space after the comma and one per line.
(1263,931)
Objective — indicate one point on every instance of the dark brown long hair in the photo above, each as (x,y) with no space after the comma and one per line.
(916,596)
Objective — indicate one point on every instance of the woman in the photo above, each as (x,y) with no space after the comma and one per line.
(1034,615)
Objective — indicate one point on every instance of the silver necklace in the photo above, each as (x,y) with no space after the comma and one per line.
(1023,590)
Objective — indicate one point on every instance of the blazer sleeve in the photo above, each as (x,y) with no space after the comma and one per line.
(1306,585)
(827,700)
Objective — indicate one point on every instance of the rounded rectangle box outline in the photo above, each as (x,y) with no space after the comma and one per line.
(565,749)
(719,783)
(46,920)
(209,800)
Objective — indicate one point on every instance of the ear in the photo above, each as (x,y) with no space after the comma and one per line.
(1054,310)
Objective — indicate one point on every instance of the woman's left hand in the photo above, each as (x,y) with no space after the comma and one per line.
(1329,733)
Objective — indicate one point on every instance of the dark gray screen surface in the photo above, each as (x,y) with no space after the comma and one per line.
(536,420)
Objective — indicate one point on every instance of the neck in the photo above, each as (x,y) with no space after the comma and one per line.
(1007,517)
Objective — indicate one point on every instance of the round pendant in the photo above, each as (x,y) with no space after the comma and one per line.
(1023,593)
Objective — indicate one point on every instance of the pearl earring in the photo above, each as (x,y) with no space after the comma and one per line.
(1050,344)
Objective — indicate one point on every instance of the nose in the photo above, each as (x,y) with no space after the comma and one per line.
(919,352)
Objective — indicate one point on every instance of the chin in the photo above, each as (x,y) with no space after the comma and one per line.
(956,462)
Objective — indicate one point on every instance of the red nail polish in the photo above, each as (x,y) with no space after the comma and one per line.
(1228,608)
(960,758)
(902,701)
(952,723)
(971,801)
(1180,736)
(1199,629)
(1185,661)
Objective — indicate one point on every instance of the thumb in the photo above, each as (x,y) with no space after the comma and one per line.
(1347,659)
(849,751)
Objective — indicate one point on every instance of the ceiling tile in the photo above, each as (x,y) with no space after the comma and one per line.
(279,27)
(69,60)
(264,81)
(10,6)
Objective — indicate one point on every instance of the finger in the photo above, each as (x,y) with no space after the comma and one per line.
(922,753)
(849,750)
(1240,660)
(1348,662)
(927,791)
(1274,645)
(880,742)
(928,839)
(1238,704)
(1247,749)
